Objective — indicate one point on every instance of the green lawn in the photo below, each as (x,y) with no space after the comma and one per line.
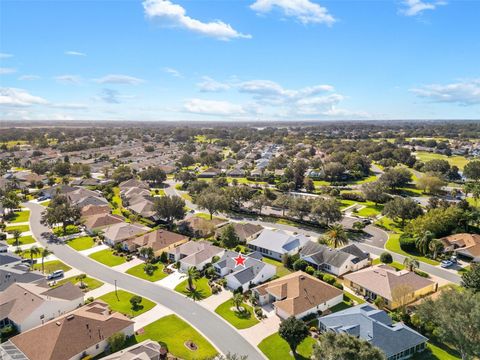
(45,203)
(241,320)
(51,266)
(26,253)
(122,303)
(138,271)
(346,203)
(21,228)
(388,224)
(19,216)
(394,264)
(202,288)
(106,257)
(435,352)
(174,332)
(23,240)
(281,270)
(393,244)
(90,283)
(82,243)
(159,192)
(459,161)
(347,295)
(275,348)
(69,230)
(370,209)
(117,200)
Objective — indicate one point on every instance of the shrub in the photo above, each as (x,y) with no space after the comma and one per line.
(300,265)
(338,285)
(407,244)
(310,270)
(352,196)
(329,279)
(386,258)
(319,274)
(3,236)
(421,273)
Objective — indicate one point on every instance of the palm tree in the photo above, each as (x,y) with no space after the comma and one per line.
(45,253)
(34,251)
(237,300)
(336,235)
(411,264)
(80,278)
(16,235)
(422,243)
(147,253)
(435,246)
(192,275)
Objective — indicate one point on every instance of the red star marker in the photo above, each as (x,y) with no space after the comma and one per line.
(240,260)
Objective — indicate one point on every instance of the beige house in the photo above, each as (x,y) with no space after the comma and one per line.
(465,245)
(396,288)
(159,240)
(298,294)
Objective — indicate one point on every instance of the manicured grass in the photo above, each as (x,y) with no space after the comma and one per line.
(435,352)
(117,200)
(157,192)
(207,216)
(51,266)
(281,270)
(275,348)
(106,257)
(352,297)
(201,287)
(90,283)
(174,332)
(19,216)
(341,306)
(186,196)
(241,320)
(81,243)
(21,228)
(26,254)
(138,271)
(45,203)
(346,203)
(23,240)
(370,209)
(244,180)
(393,244)
(69,230)
(459,161)
(120,301)
(320,183)
(394,264)
(388,224)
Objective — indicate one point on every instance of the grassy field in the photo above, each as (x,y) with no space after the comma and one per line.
(174,332)
(90,283)
(51,266)
(274,348)
(459,161)
(19,216)
(393,244)
(240,319)
(370,209)
(81,243)
(201,285)
(281,270)
(23,240)
(138,271)
(106,257)
(21,228)
(122,303)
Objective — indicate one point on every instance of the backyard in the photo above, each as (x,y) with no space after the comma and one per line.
(89,283)
(274,348)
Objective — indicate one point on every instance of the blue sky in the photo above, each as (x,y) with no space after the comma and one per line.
(239,60)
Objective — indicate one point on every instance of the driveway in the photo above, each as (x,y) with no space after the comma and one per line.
(221,334)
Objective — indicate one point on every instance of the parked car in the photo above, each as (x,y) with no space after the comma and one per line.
(42,198)
(29,262)
(366,221)
(446,263)
(55,275)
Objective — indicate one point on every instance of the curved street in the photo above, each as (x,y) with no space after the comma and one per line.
(222,335)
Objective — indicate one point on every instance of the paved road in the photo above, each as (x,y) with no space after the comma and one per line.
(221,334)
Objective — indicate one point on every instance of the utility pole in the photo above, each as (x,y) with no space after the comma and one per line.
(116,292)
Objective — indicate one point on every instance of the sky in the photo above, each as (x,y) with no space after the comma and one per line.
(239,60)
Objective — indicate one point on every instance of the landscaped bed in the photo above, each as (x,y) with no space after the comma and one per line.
(120,301)
(138,271)
(81,243)
(274,348)
(240,319)
(107,257)
(175,333)
(202,288)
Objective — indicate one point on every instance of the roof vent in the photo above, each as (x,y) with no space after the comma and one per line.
(70,317)
(58,323)
(302,277)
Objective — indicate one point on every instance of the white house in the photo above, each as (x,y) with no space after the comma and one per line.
(274,244)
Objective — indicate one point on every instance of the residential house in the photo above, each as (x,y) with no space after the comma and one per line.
(464,245)
(298,294)
(16,272)
(28,305)
(100,221)
(120,232)
(236,173)
(91,210)
(397,341)
(396,288)
(209,173)
(145,350)
(133,183)
(335,261)
(245,232)
(81,333)
(199,227)
(159,240)
(275,244)
(82,197)
(253,273)
(143,206)
(194,253)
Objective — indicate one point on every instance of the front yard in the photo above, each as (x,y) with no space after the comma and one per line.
(274,348)
(23,240)
(202,288)
(19,216)
(81,243)
(106,257)
(90,283)
(174,333)
(21,228)
(157,274)
(122,303)
(240,319)
(51,266)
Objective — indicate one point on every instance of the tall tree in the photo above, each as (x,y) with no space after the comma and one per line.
(336,236)
(192,276)
(293,331)
(154,176)
(60,211)
(169,208)
(472,170)
(402,208)
(44,254)
(326,210)
(471,278)
(212,201)
(411,263)
(341,346)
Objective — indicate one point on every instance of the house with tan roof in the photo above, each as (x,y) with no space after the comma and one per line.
(298,294)
(73,336)
(120,232)
(195,253)
(245,231)
(97,222)
(28,305)
(396,288)
(199,227)
(464,245)
(91,210)
(146,350)
(159,240)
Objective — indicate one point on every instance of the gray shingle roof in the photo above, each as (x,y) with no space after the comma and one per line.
(279,241)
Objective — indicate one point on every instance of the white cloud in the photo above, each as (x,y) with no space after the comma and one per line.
(462,92)
(29,77)
(5,71)
(70,106)
(19,97)
(119,79)
(417,7)
(69,79)
(213,107)
(175,15)
(75,53)
(304,11)
(344,113)
(5,56)
(110,96)
(210,85)
(173,72)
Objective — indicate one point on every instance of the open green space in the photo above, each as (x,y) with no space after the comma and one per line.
(242,319)
(394,264)
(174,333)
(69,230)
(81,243)
(19,216)
(120,301)
(26,253)
(89,283)
(157,274)
(281,270)
(157,192)
(117,200)
(274,348)
(106,257)
(21,228)
(370,209)
(393,244)
(51,266)
(23,240)
(436,352)
(456,160)
(201,287)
